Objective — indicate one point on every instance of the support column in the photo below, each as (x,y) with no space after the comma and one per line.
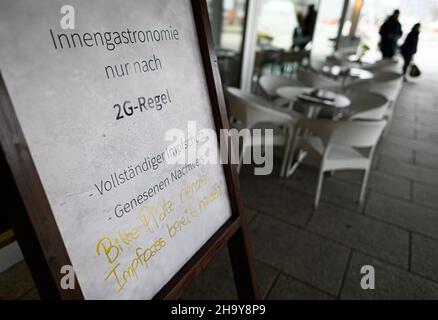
(356,16)
(249,47)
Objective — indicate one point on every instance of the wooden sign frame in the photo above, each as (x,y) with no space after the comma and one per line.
(35,227)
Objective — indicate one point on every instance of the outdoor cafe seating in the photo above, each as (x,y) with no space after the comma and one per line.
(336,114)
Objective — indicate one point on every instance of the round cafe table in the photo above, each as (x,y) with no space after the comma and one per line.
(344,73)
(292,93)
(367,60)
(312,103)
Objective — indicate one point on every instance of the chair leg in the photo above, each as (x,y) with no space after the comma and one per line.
(284,165)
(319,188)
(287,154)
(364,187)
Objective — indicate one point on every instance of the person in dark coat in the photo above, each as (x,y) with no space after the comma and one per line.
(409,48)
(303,34)
(309,22)
(390,32)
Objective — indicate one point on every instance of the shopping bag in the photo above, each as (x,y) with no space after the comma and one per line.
(415,71)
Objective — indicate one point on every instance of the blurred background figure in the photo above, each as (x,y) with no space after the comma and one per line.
(310,22)
(409,48)
(299,41)
(303,33)
(390,32)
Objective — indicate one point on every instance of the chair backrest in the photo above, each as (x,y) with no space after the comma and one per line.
(382,65)
(367,106)
(250,110)
(359,134)
(389,90)
(387,76)
(270,83)
(389,82)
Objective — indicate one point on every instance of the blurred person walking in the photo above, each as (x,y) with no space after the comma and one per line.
(303,33)
(309,22)
(390,32)
(409,47)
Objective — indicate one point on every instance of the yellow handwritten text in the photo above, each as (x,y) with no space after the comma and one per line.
(112,248)
(189,190)
(152,217)
(210,198)
(181,222)
(142,259)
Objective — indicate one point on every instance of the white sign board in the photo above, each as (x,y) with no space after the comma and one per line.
(95,103)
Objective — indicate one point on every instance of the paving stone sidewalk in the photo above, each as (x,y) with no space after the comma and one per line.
(306,254)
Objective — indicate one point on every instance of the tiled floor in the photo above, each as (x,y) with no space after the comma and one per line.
(306,254)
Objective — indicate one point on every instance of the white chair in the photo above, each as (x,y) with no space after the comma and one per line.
(388,90)
(367,106)
(343,145)
(380,76)
(248,111)
(387,76)
(389,84)
(384,65)
(270,83)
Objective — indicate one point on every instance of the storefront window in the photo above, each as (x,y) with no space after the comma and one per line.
(228,25)
(327,28)
(284,29)
(276,24)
